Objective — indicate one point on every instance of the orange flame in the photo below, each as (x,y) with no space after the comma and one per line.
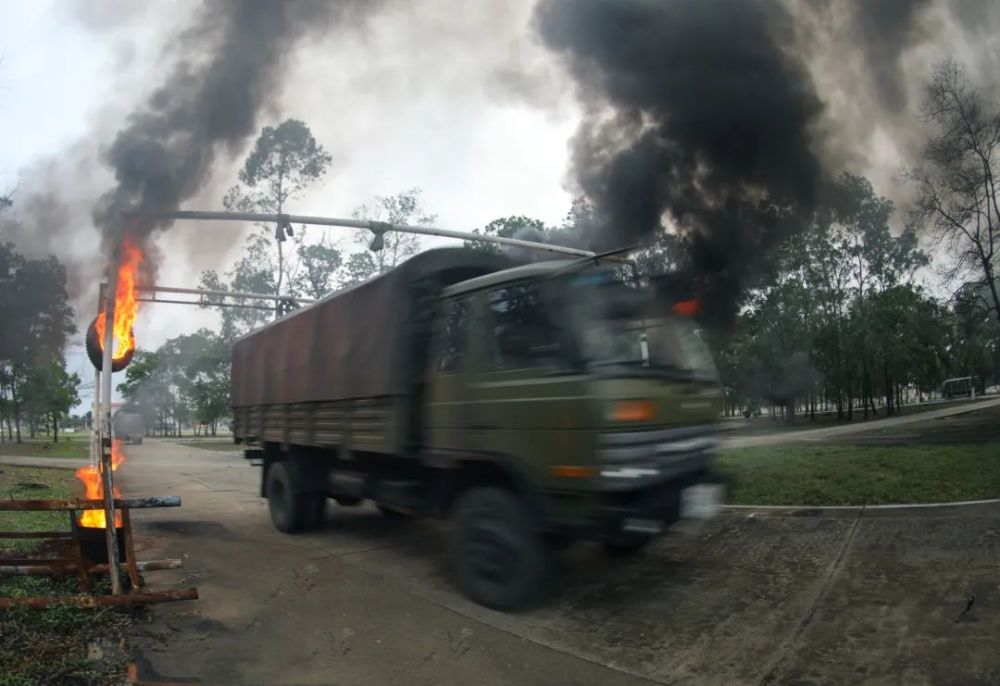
(126,305)
(93,488)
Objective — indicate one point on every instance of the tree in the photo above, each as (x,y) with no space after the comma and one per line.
(284,161)
(319,263)
(956,183)
(252,273)
(37,320)
(515,226)
(187,378)
(360,266)
(405,207)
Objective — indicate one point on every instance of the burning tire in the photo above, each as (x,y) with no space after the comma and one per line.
(292,511)
(96,354)
(499,557)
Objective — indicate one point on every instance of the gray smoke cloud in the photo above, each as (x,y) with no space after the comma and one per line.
(884,30)
(230,62)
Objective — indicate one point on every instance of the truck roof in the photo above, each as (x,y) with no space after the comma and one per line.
(524,271)
(362,342)
(421,264)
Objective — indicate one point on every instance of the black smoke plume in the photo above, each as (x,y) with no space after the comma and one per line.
(697,117)
(229,65)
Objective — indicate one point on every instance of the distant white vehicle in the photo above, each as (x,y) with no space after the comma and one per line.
(992,390)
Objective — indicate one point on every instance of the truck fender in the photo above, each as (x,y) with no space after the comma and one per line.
(461,470)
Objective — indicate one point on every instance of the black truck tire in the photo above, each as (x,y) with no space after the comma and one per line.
(626,542)
(291,511)
(500,558)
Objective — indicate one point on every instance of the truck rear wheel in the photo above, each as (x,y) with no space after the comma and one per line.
(500,559)
(292,511)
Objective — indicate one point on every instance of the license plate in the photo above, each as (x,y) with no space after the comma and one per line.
(701,501)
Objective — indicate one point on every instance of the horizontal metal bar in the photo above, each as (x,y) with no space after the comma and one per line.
(36,534)
(374,226)
(56,567)
(85,504)
(152,288)
(266,308)
(102,600)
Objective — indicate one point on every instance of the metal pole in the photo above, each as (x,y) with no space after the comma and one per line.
(374,226)
(220,294)
(110,534)
(95,413)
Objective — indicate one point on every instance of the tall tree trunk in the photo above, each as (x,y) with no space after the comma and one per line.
(55,428)
(888,388)
(864,391)
(17,408)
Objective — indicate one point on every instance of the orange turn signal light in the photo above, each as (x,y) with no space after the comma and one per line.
(687,308)
(569,471)
(633,411)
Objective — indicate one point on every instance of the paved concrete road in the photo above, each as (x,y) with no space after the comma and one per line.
(752,598)
(834,432)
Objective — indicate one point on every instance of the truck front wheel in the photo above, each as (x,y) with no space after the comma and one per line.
(292,511)
(500,559)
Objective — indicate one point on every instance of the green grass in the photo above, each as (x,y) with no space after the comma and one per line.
(861,475)
(70,445)
(34,483)
(220,445)
(49,645)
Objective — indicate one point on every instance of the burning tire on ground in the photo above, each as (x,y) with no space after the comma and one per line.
(95,350)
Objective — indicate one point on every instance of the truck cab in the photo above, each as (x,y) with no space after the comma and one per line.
(590,398)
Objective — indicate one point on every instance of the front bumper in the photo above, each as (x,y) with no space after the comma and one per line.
(640,460)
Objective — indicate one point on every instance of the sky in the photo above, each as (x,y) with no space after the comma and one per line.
(459,99)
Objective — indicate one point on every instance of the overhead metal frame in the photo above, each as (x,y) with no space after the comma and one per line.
(376,227)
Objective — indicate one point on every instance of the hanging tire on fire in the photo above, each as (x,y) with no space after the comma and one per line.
(499,557)
(96,354)
(292,511)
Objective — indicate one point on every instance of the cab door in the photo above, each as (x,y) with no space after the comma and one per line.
(528,402)
(446,408)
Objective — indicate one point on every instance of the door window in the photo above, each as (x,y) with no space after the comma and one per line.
(523,333)
(452,336)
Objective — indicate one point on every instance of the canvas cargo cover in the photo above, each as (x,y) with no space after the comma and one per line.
(367,341)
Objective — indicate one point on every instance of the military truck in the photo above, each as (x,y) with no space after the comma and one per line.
(533,404)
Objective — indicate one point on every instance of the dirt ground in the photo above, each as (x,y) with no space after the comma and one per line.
(754,597)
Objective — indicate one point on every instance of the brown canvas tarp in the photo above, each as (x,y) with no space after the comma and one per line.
(367,341)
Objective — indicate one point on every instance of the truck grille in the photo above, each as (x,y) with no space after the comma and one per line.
(636,458)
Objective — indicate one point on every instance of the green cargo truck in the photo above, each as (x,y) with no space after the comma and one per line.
(533,404)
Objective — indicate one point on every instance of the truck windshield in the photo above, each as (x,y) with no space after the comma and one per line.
(623,327)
